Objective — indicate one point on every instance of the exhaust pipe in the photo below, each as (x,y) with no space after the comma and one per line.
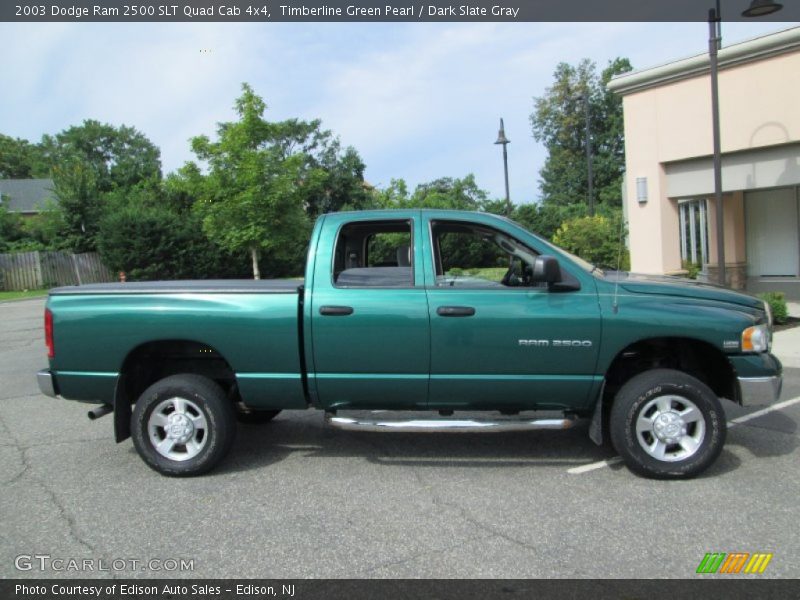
(100,411)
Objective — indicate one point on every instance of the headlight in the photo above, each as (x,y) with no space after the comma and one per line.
(768,310)
(756,338)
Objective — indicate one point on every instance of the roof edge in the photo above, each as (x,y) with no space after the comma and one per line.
(752,50)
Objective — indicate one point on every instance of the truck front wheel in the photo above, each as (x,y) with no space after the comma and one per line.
(183,425)
(667,425)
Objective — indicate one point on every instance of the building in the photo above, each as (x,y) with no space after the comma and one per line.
(26,197)
(669,185)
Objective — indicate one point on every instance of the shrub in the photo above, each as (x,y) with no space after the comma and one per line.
(692,269)
(155,243)
(596,239)
(777,302)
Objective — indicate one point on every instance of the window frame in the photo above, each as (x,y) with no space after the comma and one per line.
(436,259)
(366,222)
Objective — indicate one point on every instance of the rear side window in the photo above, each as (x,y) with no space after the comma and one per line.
(375,254)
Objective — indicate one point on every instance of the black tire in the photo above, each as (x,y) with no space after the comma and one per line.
(206,416)
(680,444)
(255,417)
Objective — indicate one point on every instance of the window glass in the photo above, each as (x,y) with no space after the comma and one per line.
(374,254)
(473,256)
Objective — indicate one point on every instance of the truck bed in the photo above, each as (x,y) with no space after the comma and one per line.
(209,286)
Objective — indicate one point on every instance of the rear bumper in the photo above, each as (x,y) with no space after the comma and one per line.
(46,383)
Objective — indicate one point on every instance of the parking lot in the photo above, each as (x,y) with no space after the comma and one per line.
(295,499)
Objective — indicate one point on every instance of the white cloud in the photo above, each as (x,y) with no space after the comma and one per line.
(418,100)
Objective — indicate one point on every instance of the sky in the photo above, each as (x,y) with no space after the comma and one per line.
(417,100)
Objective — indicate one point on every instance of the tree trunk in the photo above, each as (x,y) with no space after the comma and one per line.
(254,256)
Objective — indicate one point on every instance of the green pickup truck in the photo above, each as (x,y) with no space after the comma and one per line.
(417,310)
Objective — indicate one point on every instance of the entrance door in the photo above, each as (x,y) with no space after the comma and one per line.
(773,246)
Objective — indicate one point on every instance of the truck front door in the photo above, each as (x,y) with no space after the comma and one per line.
(499,340)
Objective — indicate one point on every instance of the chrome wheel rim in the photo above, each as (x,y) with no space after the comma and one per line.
(670,428)
(178,429)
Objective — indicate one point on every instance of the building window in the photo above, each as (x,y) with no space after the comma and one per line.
(694,231)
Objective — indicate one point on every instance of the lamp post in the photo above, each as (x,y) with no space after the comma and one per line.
(757,8)
(588,134)
(504,141)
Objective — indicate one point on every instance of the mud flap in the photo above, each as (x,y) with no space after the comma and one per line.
(122,413)
(596,426)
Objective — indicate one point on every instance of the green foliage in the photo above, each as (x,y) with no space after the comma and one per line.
(777,302)
(692,269)
(558,121)
(153,242)
(11,231)
(443,193)
(19,159)
(90,163)
(595,239)
(545,219)
(117,157)
(265,181)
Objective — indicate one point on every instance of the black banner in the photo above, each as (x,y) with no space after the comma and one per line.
(379,10)
(294,589)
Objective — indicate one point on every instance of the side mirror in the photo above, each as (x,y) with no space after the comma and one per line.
(546,270)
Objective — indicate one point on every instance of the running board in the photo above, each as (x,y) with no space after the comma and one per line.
(446,425)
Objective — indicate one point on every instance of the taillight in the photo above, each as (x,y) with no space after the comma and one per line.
(48,333)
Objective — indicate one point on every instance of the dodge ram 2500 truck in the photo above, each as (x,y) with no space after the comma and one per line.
(417,310)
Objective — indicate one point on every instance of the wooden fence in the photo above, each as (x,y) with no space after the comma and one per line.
(36,270)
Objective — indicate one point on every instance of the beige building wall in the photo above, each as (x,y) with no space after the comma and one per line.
(668,130)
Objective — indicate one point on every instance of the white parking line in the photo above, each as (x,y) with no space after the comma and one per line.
(732,423)
(764,411)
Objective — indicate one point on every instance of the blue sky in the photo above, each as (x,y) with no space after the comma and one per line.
(418,100)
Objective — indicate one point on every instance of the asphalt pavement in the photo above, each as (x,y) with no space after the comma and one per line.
(297,500)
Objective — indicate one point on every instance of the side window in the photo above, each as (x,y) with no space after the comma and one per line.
(374,254)
(472,256)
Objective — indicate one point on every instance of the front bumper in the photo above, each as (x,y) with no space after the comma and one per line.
(759,390)
(46,383)
(760,378)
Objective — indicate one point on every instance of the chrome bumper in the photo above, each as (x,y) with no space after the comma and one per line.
(46,385)
(760,390)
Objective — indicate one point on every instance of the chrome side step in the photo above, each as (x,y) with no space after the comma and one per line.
(446,425)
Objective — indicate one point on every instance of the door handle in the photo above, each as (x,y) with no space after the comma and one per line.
(336,311)
(455,311)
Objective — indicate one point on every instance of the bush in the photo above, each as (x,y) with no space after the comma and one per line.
(692,269)
(149,242)
(777,302)
(595,239)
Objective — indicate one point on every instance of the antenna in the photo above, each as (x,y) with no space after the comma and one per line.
(614,305)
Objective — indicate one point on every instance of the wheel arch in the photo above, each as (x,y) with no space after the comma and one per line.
(153,360)
(692,356)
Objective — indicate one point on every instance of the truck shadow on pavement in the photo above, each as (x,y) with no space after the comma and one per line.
(305,436)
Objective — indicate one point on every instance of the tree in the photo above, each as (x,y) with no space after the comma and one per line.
(444,193)
(19,159)
(260,175)
(92,162)
(558,121)
(118,157)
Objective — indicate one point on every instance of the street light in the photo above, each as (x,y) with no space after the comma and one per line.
(504,141)
(588,135)
(758,8)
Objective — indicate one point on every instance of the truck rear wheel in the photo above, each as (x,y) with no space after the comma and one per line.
(667,425)
(183,425)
